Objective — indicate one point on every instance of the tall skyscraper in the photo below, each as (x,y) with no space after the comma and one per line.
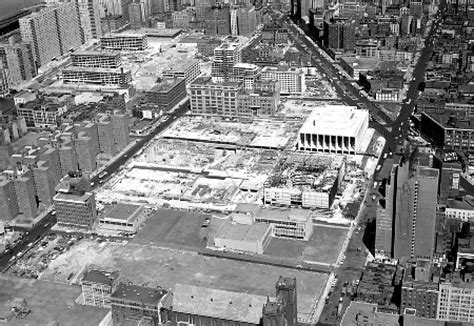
(110,8)
(136,15)
(406,229)
(339,35)
(52,31)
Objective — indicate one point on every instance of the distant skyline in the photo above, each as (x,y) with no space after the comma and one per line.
(10,7)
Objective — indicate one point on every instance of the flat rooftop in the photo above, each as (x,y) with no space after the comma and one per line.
(125,212)
(243,232)
(100,277)
(283,214)
(100,53)
(227,305)
(135,293)
(73,197)
(361,63)
(93,70)
(335,120)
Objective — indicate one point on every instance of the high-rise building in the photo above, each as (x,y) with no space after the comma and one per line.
(339,35)
(106,135)
(44,182)
(89,13)
(86,152)
(75,205)
(8,201)
(110,8)
(52,32)
(18,61)
(67,157)
(120,124)
(225,57)
(136,15)
(26,194)
(411,210)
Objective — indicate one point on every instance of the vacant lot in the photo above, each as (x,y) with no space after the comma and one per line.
(48,302)
(323,247)
(175,227)
(155,266)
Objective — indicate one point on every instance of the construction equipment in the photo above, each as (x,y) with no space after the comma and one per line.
(20,308)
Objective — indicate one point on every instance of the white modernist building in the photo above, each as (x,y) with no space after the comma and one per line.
(334,129)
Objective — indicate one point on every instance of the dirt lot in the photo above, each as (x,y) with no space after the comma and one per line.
(323,247)
(48,302)
(155,266)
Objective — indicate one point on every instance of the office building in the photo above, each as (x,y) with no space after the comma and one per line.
(415,210)
(94,59)
(132,303)
(99,76)
(339,35)
(74,204)
(18,62)
(52,31)
(8,202)
(89,14)
(226,56)
(188,70)
(209,98)
(167,94)
(292,223)
(123,42)
(243,21)
(97,287)
(110,8)
(292,80)
(384,220)
(334,129)
(217,20)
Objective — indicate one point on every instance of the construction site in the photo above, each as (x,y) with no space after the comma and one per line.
(306,180)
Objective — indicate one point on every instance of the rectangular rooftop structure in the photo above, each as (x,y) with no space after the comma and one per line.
(122,218)
(230,306)
(334,129)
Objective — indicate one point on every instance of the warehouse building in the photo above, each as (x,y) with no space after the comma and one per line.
(122,218)
(243,237)
(334,129)
(167,94)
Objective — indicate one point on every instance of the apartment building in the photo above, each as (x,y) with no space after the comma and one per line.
(123,42)
(18,61)
(52,31)
(89,14)
(8,202)
(292,80)
(95,59)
